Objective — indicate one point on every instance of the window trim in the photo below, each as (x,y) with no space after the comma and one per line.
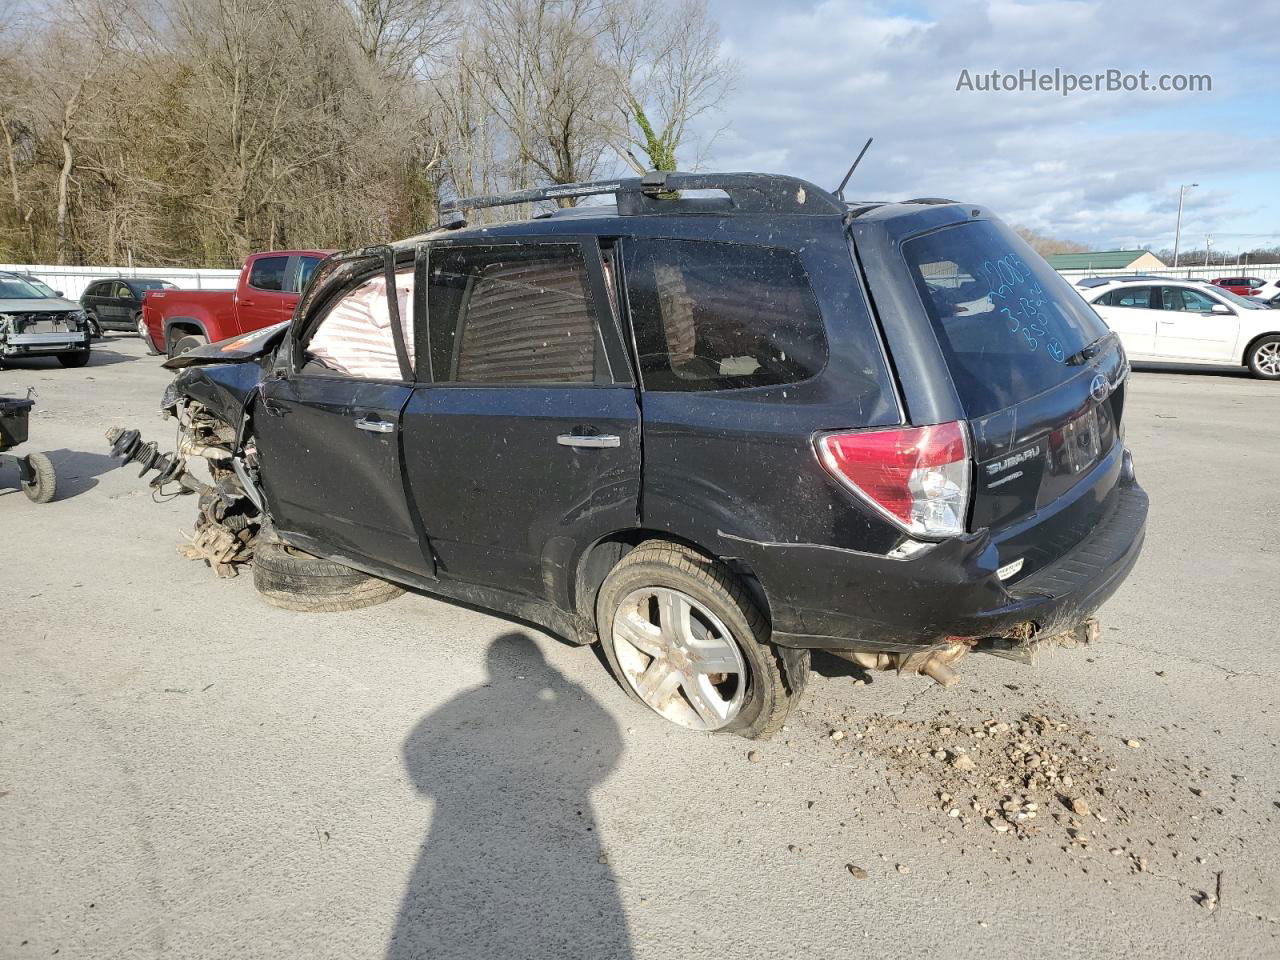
(607,322)
(300,334)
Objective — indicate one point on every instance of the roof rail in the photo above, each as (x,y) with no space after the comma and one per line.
(658,192)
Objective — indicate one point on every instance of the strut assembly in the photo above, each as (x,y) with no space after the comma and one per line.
(229,519)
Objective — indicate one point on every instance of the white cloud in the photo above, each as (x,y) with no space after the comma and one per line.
(1101,168)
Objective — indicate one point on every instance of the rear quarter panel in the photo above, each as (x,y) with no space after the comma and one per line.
(213,310)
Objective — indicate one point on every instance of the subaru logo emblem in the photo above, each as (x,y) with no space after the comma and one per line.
(1099,388)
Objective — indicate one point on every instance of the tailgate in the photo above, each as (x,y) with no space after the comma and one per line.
(1040,379)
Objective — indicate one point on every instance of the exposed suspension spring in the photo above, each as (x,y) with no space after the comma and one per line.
(129,447)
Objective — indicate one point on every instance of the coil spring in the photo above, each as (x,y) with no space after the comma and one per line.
(129,447)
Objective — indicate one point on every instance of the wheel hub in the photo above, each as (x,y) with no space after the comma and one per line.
(679,658)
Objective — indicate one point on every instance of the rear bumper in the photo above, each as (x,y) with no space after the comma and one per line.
(951,590)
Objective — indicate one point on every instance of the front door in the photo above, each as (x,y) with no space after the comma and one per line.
(328,432)
(525,446)
(1188,329)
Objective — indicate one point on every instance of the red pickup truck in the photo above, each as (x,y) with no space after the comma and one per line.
(178,320)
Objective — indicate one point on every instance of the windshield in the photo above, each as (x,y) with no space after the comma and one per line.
(1237,300)
(15,288)
(44,289)
(1008,323)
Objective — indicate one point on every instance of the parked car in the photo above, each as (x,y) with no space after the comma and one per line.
(175,321)
(1240,286)
(1268,291)
(33,324)
(116,304)
(1089,282)
(701,431)
(1189,322)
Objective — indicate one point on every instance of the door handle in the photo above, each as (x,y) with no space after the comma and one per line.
(591,440)
(375,426)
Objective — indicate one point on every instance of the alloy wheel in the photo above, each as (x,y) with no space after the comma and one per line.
(1267,358)
(679,658)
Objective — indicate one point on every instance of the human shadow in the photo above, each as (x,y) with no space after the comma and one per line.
(513,866)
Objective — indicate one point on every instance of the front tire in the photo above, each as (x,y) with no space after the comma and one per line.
(1264,358)
(293,580)
(684,638)
(141,326)
(77,359)
(95,326)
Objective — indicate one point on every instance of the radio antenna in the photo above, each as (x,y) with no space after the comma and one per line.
(845,181)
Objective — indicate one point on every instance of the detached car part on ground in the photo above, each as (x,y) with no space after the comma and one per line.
(33,324)
(714,434)
(36,475)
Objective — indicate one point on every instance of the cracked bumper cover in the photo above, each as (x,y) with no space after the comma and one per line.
(951,590)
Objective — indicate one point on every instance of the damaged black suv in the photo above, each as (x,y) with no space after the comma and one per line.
(714,432)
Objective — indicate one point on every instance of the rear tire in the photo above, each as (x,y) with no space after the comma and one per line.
(293,580)
(185,343)
(77,359)
(773,679)
(1264,358)
(44,485)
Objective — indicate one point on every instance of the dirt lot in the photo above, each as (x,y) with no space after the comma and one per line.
(186,772)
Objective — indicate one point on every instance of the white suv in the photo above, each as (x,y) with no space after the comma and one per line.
(1189,322)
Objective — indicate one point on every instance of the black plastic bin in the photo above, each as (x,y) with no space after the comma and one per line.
(14,412)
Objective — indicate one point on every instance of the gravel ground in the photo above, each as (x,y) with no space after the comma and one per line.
(186,772)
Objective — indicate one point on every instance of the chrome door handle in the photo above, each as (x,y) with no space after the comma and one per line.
(375,426)
(593,440)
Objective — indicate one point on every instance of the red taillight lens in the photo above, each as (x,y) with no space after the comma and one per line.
(916,476)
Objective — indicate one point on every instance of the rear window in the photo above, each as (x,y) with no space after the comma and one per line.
(1007,322)
(715,316)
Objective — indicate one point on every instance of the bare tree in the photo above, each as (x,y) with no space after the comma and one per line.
(537,65)
(667,72)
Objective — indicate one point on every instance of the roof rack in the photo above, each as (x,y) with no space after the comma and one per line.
(658,192)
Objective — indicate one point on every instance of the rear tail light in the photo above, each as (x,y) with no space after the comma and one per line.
(918,477)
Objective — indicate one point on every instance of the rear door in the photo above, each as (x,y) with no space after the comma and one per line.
(260,301)
(1188,329)
(328,431)
(525,445)
(1133,313)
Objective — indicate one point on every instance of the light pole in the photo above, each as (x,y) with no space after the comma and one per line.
(1177,234)
(1208,242)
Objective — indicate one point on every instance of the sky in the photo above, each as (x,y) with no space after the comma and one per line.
(1099,168)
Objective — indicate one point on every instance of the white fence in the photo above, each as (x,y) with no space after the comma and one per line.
(72,280)
(1265,271)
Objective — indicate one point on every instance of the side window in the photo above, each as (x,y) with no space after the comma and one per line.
(715,316)
(306,267)
(1108,299)
(506,314)
(355,338)
(1136,297)
(1195,302)
(122,292)
(268,273)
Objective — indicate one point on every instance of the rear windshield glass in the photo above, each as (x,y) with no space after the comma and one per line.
(1007,322)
